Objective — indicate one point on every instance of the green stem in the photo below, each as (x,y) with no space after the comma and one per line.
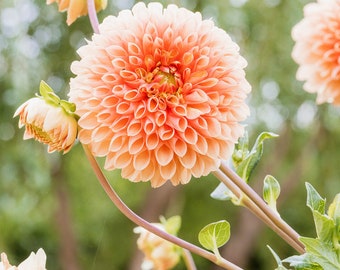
(276,221)
(148,226)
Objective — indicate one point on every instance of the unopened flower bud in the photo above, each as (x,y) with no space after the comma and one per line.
(159,254)
(47,119)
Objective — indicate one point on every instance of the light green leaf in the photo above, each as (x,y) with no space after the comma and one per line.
(303,262)
(48,94)
(246,167)
(277,259)
(215,235)
(172,224)
(334,213)
(322,253)
(223,193)
(314,200)
(324,226)
(271,191)
(241,150)
(69,107)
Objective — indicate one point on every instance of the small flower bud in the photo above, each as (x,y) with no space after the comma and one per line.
(159,254)
(48,121)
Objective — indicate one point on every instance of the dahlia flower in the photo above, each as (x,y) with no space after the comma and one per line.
(76,8)
(317,50)
(160,94)
(47,120)
(36,261)
(159,254)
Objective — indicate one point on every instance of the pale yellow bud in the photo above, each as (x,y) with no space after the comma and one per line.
(159,253)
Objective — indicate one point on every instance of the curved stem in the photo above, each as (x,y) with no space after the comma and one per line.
(188,260)
(91,9)
(254,197)
(146,225)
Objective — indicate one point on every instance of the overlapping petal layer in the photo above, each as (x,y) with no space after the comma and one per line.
(317,50)
(160,94)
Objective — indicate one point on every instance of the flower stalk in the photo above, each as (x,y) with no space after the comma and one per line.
(146,225)
(188,260)
(92,13)
(260,208)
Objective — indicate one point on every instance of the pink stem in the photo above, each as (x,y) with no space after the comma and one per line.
(91,9)
(148,226)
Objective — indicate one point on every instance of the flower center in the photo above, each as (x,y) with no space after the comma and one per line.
(163,83)
(39,134)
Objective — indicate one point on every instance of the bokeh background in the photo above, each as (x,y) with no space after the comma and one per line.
(54,201)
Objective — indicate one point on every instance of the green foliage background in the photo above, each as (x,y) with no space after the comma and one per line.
(36,44)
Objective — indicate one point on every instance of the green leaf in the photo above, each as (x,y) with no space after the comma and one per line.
(246,167)
(322,253)
(69,107)
(277,259)
(48,94)
(223,193)
(303,262)
(215,235)
(334,213)
(271,191)
(172,224)
(241,150)
(314,200)
(324,226)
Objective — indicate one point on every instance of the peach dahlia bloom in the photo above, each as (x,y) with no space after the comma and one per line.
(317,50)
(47,124)
(160,93)
(76,8)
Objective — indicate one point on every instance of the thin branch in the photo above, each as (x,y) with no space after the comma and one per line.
(273,216)
(146,225)
(188,260)
(91,9)
(248,203)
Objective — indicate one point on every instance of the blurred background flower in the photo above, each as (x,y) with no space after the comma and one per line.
(317,50)
(76,8)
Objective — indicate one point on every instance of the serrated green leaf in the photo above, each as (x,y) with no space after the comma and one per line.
(271,191)
(246,167)
(324,226)
(215,235)
(321,253)
(314,200)
(302,262)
